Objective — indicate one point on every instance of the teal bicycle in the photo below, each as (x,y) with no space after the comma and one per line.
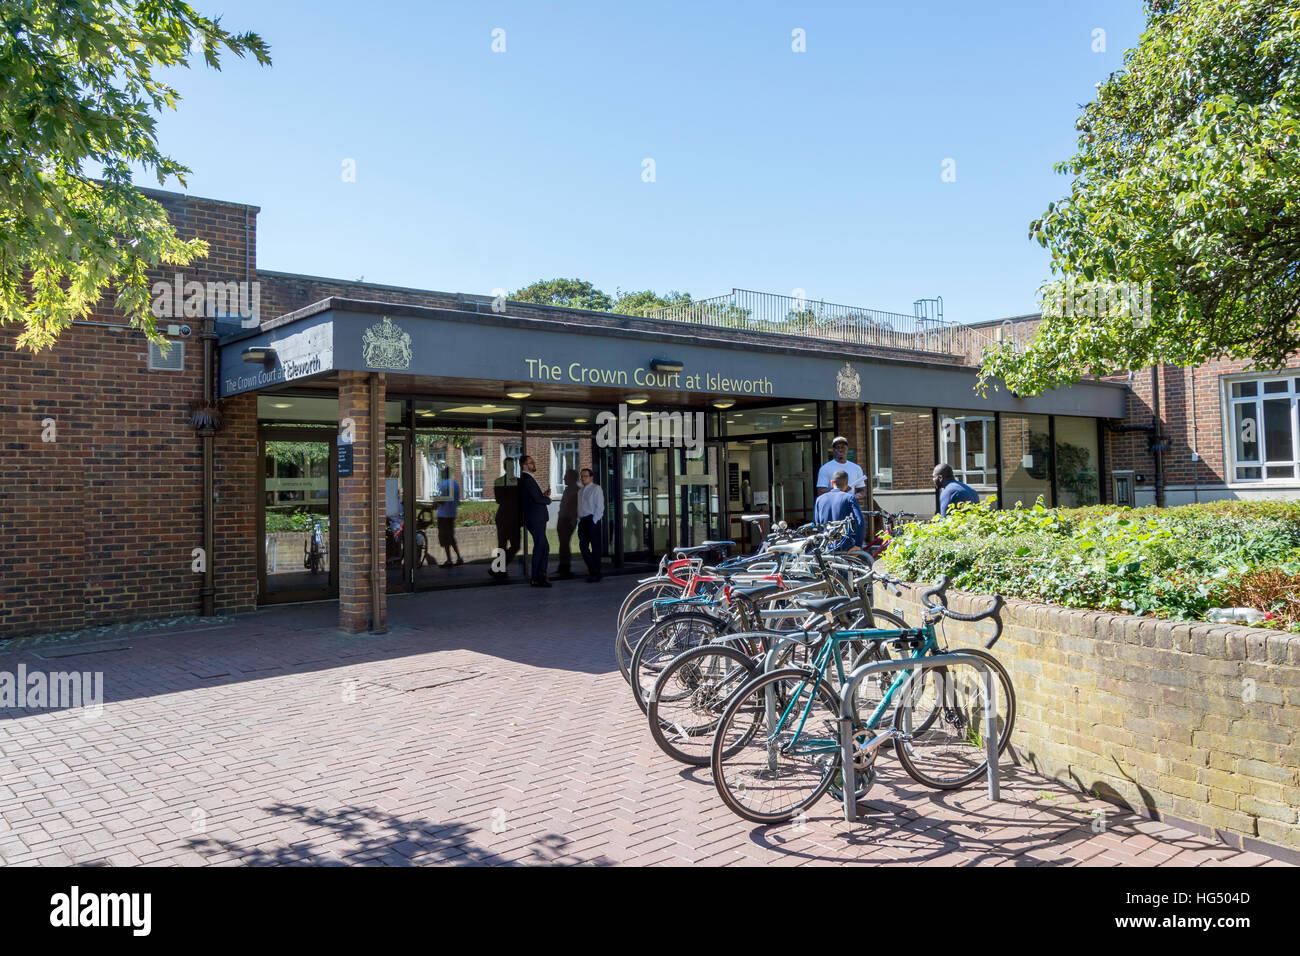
(776,750)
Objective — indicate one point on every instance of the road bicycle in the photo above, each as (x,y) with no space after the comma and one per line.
(776,750)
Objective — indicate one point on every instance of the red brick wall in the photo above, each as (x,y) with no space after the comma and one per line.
(361,509)
(99,525)
(1189,413)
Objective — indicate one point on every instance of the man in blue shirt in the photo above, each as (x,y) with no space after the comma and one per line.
(837,504)
(952,491)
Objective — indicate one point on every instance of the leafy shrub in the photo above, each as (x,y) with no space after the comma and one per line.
(1172,562)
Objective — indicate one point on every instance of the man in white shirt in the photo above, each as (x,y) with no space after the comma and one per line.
(840,460)
(591,508)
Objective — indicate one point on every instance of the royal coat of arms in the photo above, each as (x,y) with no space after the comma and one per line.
(384,345)
(848,383)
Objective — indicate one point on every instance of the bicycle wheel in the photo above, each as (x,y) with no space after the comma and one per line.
(639,620)
(688,699)
(664,641)
(646,591)
(941,723)
(776,749)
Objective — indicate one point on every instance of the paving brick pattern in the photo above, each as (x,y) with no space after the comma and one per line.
(278,739)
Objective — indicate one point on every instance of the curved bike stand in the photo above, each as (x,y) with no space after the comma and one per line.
(989,700)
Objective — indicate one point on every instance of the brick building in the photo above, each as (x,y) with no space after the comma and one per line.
(292,441)
(1196,434)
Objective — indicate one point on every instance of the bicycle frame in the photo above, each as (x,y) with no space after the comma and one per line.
(824,656)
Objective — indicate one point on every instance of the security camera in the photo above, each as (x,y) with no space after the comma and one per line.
(185,330)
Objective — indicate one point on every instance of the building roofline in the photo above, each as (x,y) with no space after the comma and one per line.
(991,323)
(173,194)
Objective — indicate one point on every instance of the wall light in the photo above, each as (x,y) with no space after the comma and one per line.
(666,365)
(637,399)
(260,355)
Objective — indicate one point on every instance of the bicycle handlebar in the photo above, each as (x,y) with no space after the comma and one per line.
(993,611)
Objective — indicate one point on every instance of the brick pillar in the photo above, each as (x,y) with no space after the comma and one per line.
(360,509)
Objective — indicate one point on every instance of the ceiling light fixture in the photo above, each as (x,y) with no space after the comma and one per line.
(638,399)
(724,403)
(518,392)
(666,365)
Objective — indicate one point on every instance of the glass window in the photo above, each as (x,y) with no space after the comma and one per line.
(1077,478)
(1264,441)
(882,450)
(472,472)
(968,446)
(1026,458)
(902,445)
(801,416)
(564,458)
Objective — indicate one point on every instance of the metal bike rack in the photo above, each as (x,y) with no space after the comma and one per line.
(989,699)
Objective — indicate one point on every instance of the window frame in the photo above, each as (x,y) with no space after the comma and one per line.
(559,448)
(471,468)
(959,469)
(1229,405)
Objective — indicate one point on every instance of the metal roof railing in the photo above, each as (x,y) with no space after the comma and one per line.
(768,313)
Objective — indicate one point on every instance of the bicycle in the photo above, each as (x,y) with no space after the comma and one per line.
(685,623)
(776,750)
(313,550)
(688,698)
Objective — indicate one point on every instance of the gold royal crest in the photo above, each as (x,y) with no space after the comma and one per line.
(848,383)
(384,345)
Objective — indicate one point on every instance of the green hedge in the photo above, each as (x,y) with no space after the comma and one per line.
(1168,562)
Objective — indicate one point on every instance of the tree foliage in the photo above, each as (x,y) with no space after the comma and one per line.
(569,293)
(1187,177)
(78,90)
(640,303)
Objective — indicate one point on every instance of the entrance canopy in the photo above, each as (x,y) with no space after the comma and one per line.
(638,356)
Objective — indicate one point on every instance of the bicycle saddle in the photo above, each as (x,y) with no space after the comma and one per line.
(823,605)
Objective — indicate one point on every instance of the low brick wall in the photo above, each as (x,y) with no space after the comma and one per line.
(1196,724)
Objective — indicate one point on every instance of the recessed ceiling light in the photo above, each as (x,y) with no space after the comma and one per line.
(481,409)
(519,392)
(637,399)
(535,414)
(724,403)
(800,409)
(282,404)
(581,421)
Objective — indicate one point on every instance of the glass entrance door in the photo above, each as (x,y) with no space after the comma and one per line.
(646,503)
(793,473)
(696,482)
(295,561)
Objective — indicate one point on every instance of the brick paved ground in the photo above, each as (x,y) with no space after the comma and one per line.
(274,738)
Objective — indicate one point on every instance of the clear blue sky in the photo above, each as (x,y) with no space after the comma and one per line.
(775,170)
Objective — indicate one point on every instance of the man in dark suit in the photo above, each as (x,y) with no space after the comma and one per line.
(534,502)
